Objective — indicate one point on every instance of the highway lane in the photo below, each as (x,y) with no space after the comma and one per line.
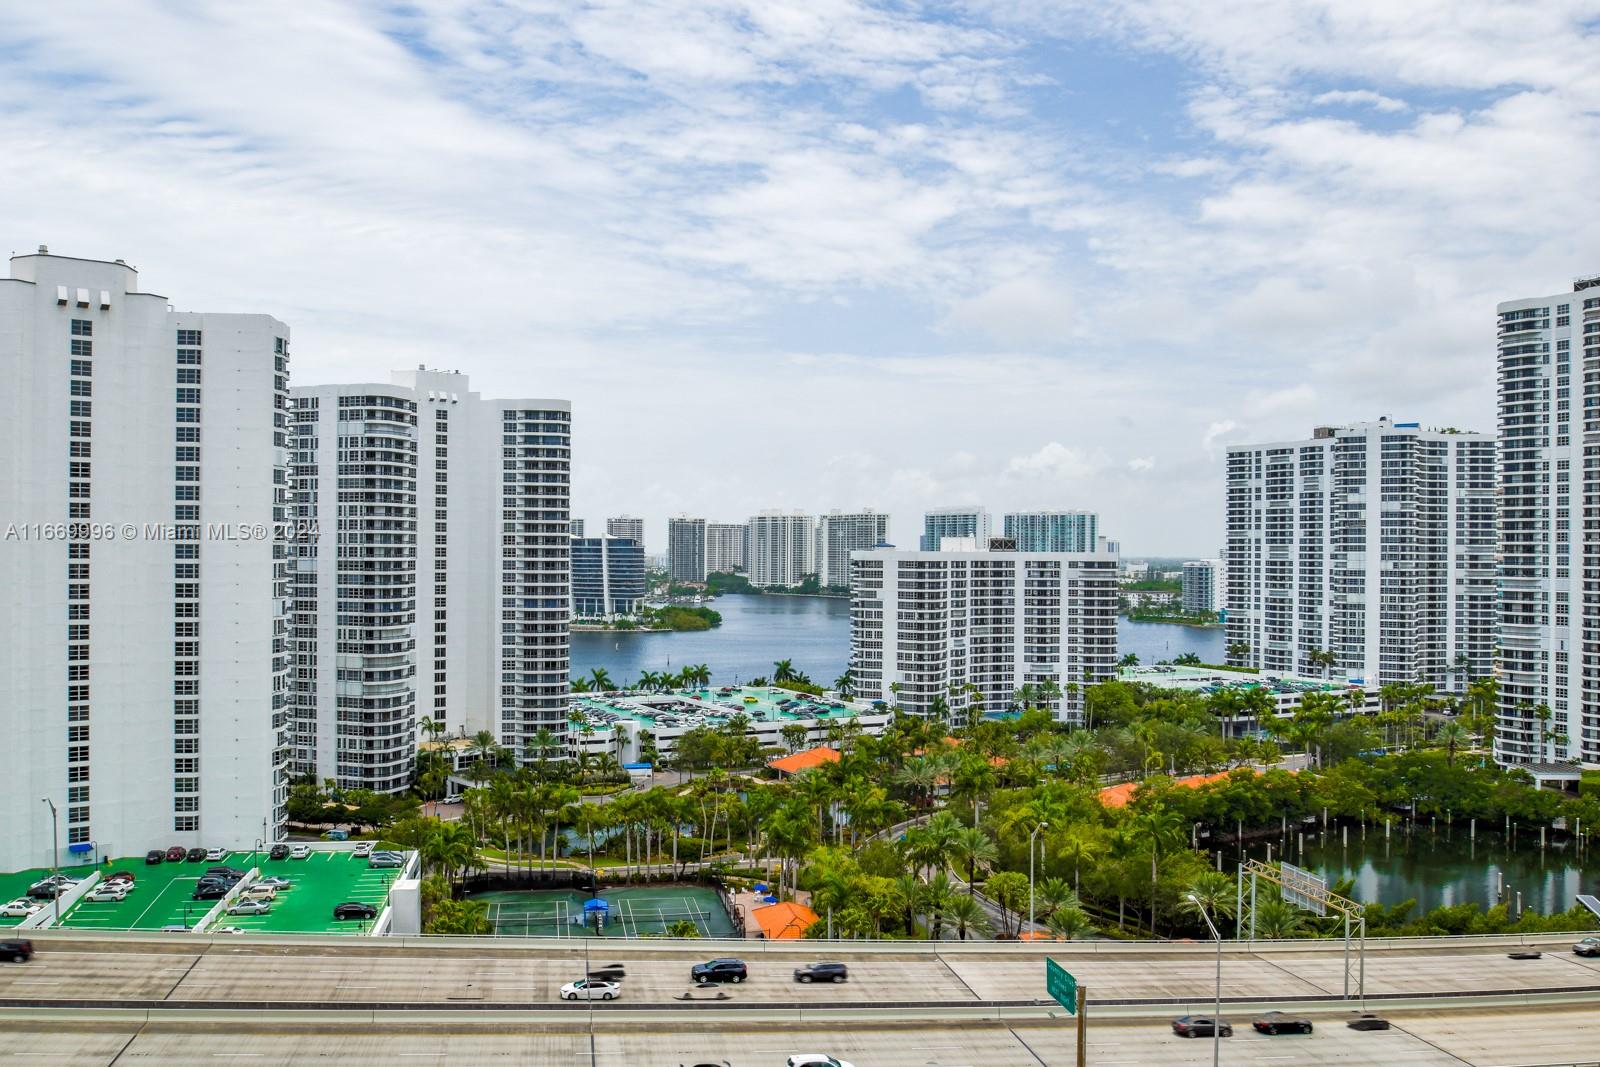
(242,972)
(1526,1037)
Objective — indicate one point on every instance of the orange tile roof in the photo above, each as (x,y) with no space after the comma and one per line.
(800,761)
(786,921)
(1118,796)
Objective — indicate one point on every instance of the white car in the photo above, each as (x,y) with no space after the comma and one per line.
(107,893)
(589,989)
(364,849)
(228,930)
(249,907)
(20,908)
(259,892)
(213,855)
(274,883)
(300,852)
(815,1059)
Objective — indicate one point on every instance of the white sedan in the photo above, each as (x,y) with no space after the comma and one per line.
(274,883)
(300,852)
(591,989)
(249,907)
(815,1059)
(20,908)
(108,893)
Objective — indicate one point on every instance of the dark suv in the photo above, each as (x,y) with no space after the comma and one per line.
(279,852)
(821,972)
(16,951)
(723,970)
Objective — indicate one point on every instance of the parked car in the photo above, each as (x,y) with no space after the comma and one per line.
(109,893)
(196,855)
(16,951)
(275,882)
(226,872)
(300,852)
(354,909)
(278,852)
(720,970)
(20,908)
(259,892)
(1276,1022)
(1367,1021)
(176,853)
(226,930)
(175,928)
(821,972)
(249,907)
(122,876)
(209,892)
(1589,946)
(814,1059)
(364,849)
(51,887)
(154,856)
(589,989)
(215,854)
(1200,1026)
(336,834)
(379,859)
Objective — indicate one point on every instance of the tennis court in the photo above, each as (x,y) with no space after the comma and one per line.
(638,911)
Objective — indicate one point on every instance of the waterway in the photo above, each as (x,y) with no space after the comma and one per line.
(1442,867)
(814,633)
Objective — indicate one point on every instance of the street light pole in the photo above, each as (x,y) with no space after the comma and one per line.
(1216,1015)
(1031,836)
(55,853)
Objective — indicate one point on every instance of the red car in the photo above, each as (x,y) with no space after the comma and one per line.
(121,876)
(176,853)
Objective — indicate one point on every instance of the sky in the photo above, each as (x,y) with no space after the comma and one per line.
(824,254)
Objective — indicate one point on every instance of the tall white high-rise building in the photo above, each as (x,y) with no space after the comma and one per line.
(626,527)
(841,533)
(1202,585)
(1373,543)
(727,547)
(926,626)
(143,668)
(686,549)
(961,522)
(1053,531)
(440,585)
(782,548)
(1548,348)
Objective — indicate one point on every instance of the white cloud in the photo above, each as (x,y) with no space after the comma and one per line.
(1056,461)
(1362,97)
(1140,464)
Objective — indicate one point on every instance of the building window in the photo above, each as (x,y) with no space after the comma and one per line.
(82,328)
(82,348)
(83,368)
(190,338)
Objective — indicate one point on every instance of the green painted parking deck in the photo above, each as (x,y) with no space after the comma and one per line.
(15,885)
(163,895)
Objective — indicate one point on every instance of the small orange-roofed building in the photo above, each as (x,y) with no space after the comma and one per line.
(784,921)
(804,761)
(1118,796)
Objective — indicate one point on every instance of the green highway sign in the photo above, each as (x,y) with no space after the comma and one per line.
(1062,987)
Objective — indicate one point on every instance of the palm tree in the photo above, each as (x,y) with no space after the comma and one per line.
(974,850)
(1130,659)
(1212,891)
(1069,923)
(965,913)
(580,685)
(1452,735)
(783,671)
(1277,921)
(842,684)
(602,680)
(1237,651)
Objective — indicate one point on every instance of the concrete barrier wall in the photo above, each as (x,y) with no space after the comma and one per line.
(229,897)
(45,917)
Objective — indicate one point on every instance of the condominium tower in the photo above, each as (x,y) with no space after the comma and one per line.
(143,667)
(686,549)
(955,629)
(1549,437)
(962,522)
(607,576)
(1373,543)
(782,548)
(575,527)
(439,585)
(1054,531)
(626,526)
(841,533)
(1202,585)
(727,547)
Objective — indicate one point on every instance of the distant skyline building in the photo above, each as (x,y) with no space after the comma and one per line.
(1548,349)
(841,533)
(1373,542)
(727,547)
(626,526)
(439,586)
(607,576)
(782,548)
(144,671)
(962,521)
(686,549)
(1202,585)
(926,625)
(1053,531)
(575,527)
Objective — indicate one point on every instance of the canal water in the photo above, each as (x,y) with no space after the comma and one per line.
(814,633)
(1443,867)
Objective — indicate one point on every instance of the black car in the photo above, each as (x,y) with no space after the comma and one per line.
(1528,954)
(16,951)
(821,972)
(610,972)
(1200,1026)
(354,909)
(196,855)
(278,852)
(720,970)
(154,856)
(1276,1022)
(226,872)
(209,892)
(1368,1021)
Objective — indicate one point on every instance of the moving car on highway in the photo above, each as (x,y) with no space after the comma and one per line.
(815,1059)
(1367,1021)
(821,972)
(1589,946)
(589,989)
(1200,1026)
(720,970)
(1276,1022)
(16,951)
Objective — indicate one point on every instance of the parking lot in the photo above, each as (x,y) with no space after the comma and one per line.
(16,885)
(319,883)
